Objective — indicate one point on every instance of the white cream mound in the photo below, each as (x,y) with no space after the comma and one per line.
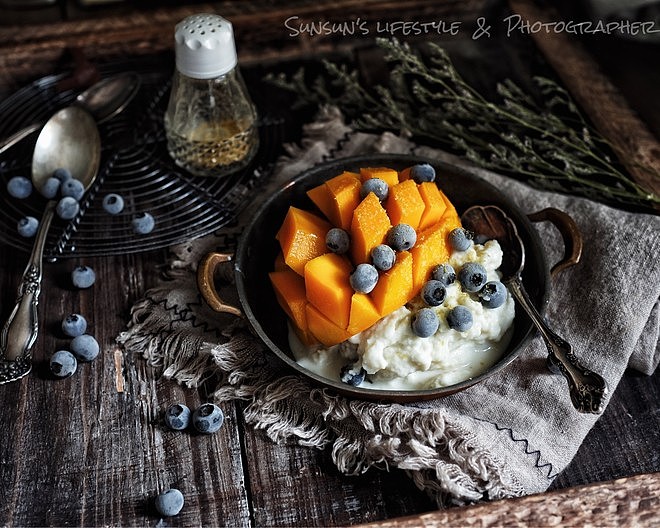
(396,359)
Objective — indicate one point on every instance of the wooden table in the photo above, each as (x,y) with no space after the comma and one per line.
(91,450)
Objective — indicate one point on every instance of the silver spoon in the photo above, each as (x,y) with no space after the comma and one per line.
(102,100)
(69,139)
(587,389)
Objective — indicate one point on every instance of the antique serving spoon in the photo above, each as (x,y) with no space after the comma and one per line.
(70,139)
(102,100)
(587,389)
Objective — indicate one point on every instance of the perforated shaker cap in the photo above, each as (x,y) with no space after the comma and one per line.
(205,46)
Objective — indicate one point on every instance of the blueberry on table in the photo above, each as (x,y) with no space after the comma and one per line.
(62,174)
(143,223)
(377,186)
(27,226)
(113,203)
(472,277)
(85,347)
(364,278)
(63,364)
(169,503)
(337,240)
(50,188)
(83,276)
(434,293)
(67,208)
(460,319)
(19,187)
(208,418)
(460,239)
(444,273)
(383,257)
(422,172)
(73,188)
(352,376)
(74,325)
(425,322)
(493,294)
(401,237)
(177,416)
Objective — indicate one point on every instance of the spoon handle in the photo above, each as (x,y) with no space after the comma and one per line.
(21,329)
(587,389)
(17,136)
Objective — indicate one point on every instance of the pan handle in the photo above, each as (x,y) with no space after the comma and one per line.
(570,233)
(206,284)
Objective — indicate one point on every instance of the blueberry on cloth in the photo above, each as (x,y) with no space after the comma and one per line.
(352,376)
(493,294)
(73,188)
(19,187)
(364,278)
(425,322)
(401,237)
(472,276)
(67,208)
(63,363)
(337,240)
(177,416)
(444,273)
(208,418)
(434,293)
(50,188)
(383,257)
(143,223)
(460,319)
(460,239)
(62,174)
(422,172)
(85,347)
(83,276)
(169,503)
(74,325)
(113,203)
(27,226)
(377,186)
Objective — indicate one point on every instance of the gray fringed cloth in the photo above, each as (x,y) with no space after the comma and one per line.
(508,436)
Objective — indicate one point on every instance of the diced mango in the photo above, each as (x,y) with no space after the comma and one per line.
(404,174)
(450,215)
(345,193)
(431,249)
(369,228)
(302,238)
(404,205)
(290,292)
(395,287)
(389,176)
(328,287)
(321,197)
(363,313)
(323,329)
(434,204)
(280,264)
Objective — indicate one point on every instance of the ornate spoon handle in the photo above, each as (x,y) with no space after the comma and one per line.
(21,329)
(587,389)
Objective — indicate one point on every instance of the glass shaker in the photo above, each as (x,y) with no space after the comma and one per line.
(210,122)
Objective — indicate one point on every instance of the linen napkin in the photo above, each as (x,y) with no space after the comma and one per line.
(508,436)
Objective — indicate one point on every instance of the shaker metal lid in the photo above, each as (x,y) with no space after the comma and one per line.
(205,46)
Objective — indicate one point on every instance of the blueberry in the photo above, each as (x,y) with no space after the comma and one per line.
(83,276)
(383,257)
(460,239)
(337,240)
(208,418)
(62,174)
(143,223)
(50,188)
(434,293)
(401,237)
(352,376)
(74,325)
(63,363)
(460,319)
(177,416)
(422,172)
(364,278)
(19,187)
(472,277)
(27,226)
(444,273)
(480,239)
(113,203)
(85,347)
(73,188)
(425,322)
(493,294)
(169,503)
(376,186)
(67,208)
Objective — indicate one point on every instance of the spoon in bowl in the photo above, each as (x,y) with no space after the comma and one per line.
(69,139)
(587,389)
(103,100)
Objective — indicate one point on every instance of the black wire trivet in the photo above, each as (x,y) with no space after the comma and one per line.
(134,164)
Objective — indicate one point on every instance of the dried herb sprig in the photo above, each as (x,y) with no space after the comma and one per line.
(546,140)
